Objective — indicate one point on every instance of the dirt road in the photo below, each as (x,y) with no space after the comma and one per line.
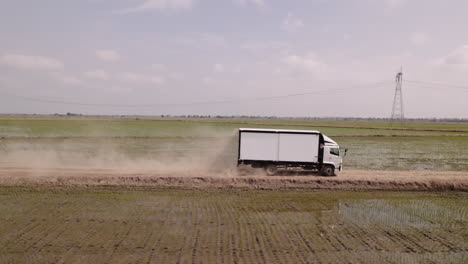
(346,180)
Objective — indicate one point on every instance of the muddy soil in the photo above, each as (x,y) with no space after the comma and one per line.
(231,179)
(49,224)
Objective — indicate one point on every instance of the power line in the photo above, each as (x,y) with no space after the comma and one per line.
(431,87)
(42,100)
(439,85)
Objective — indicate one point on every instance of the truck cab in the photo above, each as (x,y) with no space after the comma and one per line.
(331,156)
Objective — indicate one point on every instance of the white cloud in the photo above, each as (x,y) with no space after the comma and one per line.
(291,23)
(456,59)
(419,38)
(247,2)
(70,80)
(158,5)
(158,67)
(307,63)
(218,67)
(25,62)
(98,75)
(200,39)
(131,77)
(156,80)
(136,78)
(176,75)
(108,55)
(210,81)
(458,56)
(211,39)
(124,77)
(163,70)
(265,45)
(394,3)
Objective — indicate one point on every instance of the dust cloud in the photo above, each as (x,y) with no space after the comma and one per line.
(212,154)
(180,162)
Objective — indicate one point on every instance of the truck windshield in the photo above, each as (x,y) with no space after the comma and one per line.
(335,151)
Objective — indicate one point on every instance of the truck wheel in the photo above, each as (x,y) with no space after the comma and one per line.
(327,170)
(271,170)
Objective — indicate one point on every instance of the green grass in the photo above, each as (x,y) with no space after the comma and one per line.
(412,153)
(165,127)
(127,225)
(435,151)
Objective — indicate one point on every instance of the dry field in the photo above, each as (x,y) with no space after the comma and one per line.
(146,225)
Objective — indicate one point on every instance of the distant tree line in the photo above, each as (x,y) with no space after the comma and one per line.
(370,119)
(304,118)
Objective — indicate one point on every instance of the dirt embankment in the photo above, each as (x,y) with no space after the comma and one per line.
(347,180)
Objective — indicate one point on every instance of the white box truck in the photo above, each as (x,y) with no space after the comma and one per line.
(274,149)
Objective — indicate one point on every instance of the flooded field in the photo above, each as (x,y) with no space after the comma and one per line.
(146,225)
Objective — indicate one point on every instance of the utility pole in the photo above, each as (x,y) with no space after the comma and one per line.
(397,109)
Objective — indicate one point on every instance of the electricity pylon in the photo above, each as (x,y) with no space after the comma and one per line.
(397,109)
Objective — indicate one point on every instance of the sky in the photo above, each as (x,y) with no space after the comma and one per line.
(316,58)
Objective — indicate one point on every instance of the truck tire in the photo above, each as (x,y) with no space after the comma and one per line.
(271,170)
(327,170)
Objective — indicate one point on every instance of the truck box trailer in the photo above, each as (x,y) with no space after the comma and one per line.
(274,149)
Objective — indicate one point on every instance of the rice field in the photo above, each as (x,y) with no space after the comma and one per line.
(125,225)
(66,223)
(73,141)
